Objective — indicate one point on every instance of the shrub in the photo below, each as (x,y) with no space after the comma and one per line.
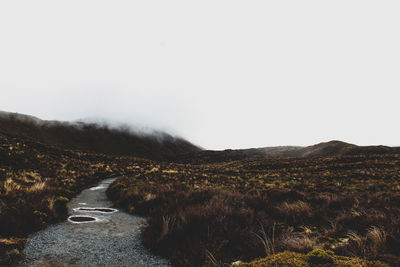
(377,240)
(40,218)
(60,206)
(9,257)
(114,190)
(295,211)
(296,242)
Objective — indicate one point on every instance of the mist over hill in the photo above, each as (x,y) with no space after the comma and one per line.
(157,145)
(234,191)
(94,137)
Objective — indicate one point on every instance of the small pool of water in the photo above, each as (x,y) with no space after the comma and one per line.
(103,210)
(81,219)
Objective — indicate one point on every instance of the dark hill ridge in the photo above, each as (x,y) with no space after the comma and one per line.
(326,149)
(94,138)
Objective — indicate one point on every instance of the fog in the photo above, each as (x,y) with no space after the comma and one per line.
(222,74)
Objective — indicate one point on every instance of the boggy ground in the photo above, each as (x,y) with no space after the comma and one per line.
(212,214)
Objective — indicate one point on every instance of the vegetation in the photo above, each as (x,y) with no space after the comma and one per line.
(333,204)
(39,171)
(95,138)
(314,258)
(35,181)
(243,210)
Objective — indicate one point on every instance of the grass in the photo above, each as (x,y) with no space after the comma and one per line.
(268,240)
(36,181)
(347,204)
(314,258)
(267,212)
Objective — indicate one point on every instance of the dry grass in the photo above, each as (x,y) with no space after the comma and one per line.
(377,238)
(33,175)
(40,186)
(297,242)
(371,245)
(267,239)
(168,224)
(213,261)
(9,186)
(357,244)
(220,206)
(295,211)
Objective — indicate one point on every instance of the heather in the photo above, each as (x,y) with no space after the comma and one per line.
(243,210)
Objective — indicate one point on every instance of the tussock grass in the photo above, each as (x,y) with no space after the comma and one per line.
(218,207)
(9,186)
(297,242)
(33,176)
(267,239)
(295,211)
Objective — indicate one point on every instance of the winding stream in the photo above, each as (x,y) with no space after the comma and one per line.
(94,235)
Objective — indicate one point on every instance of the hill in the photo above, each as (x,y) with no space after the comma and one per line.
(122,141)
(92,137)
(334,195)
(326,149)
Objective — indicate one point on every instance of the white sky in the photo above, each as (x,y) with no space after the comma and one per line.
(223,74)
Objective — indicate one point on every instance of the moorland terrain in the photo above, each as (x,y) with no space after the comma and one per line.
(332,203)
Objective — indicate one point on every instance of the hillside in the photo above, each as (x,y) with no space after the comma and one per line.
(336,196)
(92,137)
(43,164)
(36,181)
(326,149)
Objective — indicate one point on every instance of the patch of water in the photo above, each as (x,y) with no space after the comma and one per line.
(101,210)
(81,219)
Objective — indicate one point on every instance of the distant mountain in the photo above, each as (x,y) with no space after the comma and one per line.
(327,149)
(104,139)
(94,138)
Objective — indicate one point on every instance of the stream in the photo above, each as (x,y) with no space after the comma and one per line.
(94,235)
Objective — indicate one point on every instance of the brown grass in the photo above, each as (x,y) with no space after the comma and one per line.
(295,211)
(330,203)
(33,175)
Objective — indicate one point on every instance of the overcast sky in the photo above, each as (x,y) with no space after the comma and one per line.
(223,74)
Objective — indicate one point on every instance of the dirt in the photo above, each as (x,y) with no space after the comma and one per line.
(106,239)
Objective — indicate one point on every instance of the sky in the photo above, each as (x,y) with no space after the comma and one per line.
(222,74)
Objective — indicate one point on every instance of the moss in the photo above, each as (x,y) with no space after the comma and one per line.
(282,259)
(293,259)
(320,256)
